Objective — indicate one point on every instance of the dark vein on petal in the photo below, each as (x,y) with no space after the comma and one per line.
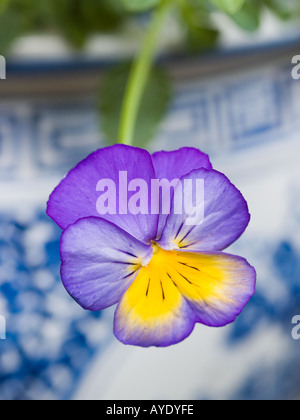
(189,266)
(129,275)
(190,231)
(194,284)
(127,253)
(125,263)
(187,246)
(147,291)
(200,271)
(172,280)
(179,230)
(163,293)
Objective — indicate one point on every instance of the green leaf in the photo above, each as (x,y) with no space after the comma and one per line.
(139,5)
(284,10)
(76,20)
(3,5)
(229,6)
(200,32)
(10,28)
(249,17)
(201,39)
(154,104)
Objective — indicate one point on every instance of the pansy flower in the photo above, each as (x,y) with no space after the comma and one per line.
(164,274)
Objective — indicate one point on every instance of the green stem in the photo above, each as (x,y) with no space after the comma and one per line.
(139,75)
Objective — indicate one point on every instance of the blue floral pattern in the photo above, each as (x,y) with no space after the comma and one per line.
(50,340)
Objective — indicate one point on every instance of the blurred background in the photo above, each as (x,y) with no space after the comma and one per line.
(224,85)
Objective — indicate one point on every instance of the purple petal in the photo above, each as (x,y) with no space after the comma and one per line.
(217,286)
(152,312)
(174,165)
(176,290)
(76,196)
(226,214)
(99,262)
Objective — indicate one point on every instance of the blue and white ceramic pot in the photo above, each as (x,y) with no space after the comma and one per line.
(242,109)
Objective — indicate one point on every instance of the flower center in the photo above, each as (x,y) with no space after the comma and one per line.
(155,248)
(155,254)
